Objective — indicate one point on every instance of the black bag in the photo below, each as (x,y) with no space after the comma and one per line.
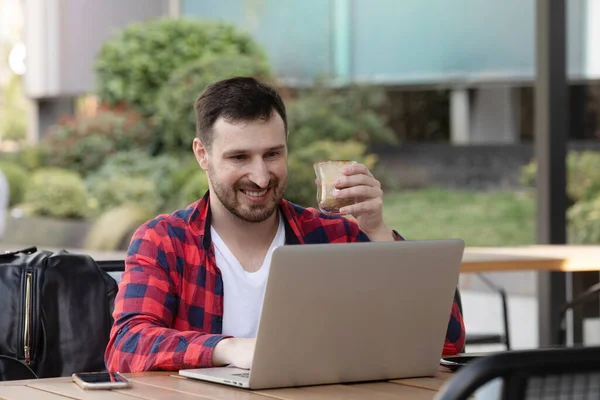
(55,314)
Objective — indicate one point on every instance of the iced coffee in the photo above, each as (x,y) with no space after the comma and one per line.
(327,174)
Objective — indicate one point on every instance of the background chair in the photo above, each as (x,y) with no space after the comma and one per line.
(592,293)
(490,338)
(113,267)
(567,373)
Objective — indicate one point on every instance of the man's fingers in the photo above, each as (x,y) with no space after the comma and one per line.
(365,207)
(355,169)
(366,192)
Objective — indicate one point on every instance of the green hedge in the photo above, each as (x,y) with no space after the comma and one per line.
(175,103)
(584,222)
(583,192)
(136,164)
(133,64)
(82,144)
(122,190)
(57,193)
(583,175)
(17,179)
(351,113)
(113,230)
(194,189)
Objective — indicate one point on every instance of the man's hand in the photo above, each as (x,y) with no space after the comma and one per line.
(359,183)
(238,352)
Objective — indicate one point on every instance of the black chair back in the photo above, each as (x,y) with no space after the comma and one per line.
(112,265)
(565,373)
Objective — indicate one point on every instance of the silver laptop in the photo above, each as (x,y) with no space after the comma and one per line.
(350,312)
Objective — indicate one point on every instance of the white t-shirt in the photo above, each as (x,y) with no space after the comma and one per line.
(243,291)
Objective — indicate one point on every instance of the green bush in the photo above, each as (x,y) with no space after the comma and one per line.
(83,144)
(338,115)
(592,191)
(584,222)
(180,177)
(132,65)
(113,230)
(138,164)
(182,192)
(175,102)
(17,179)
(13,123)
(301,174)
(528,174)
(583,175)
(31,157)
(194,189)
(58,193)
(122,190)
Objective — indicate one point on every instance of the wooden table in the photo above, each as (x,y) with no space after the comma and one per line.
(583,260)
(562,258)
(168,385)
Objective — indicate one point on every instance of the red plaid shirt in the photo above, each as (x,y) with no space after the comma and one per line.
(169,308)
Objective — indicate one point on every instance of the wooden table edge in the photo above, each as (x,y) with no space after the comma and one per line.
(537,264)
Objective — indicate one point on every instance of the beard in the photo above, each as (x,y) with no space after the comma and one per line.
(236,203)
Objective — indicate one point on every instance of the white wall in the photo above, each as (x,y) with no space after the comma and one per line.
(64,36)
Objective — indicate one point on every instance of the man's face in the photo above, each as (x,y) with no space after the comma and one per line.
(247,166)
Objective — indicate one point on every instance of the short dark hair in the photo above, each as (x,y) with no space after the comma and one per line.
(235,99)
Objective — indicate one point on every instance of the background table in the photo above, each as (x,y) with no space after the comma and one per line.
(560,258)
(581,263)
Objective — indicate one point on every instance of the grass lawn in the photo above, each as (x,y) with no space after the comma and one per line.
(479,218)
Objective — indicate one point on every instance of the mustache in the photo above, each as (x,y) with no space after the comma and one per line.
(248,185)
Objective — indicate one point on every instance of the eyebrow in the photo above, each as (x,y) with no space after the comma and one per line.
(234,152)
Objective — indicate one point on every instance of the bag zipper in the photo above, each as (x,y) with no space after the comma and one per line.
(27,321)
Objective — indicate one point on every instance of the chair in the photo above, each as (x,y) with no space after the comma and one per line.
(490,338)
(592,293)
(111,265)
(114,268)
(565,373)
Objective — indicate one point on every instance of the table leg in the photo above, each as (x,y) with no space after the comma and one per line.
(551,297)
(581,282)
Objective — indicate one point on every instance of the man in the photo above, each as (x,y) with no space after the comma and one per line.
(192,289)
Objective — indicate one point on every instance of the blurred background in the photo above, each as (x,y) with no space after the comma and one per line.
(96,116)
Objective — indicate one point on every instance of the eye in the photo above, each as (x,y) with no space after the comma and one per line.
(272,154)
(238,157)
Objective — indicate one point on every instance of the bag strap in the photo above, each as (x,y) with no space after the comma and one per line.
(13,369)
(27,250)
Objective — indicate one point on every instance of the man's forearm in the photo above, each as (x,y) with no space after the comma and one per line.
(138,347)
(222,353)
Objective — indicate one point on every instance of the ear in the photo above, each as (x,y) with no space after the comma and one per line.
(201,153)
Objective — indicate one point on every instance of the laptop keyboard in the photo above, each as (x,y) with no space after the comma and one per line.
(243,375)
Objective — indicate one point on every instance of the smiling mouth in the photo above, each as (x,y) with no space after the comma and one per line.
(253,193)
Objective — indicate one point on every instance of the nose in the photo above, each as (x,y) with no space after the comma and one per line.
(259,174)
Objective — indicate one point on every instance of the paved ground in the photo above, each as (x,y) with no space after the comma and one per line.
(483,314)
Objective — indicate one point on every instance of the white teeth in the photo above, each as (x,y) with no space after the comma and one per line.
(256,194)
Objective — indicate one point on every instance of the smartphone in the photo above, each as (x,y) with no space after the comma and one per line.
(100,380)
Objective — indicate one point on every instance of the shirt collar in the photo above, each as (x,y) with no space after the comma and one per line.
(200,221)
